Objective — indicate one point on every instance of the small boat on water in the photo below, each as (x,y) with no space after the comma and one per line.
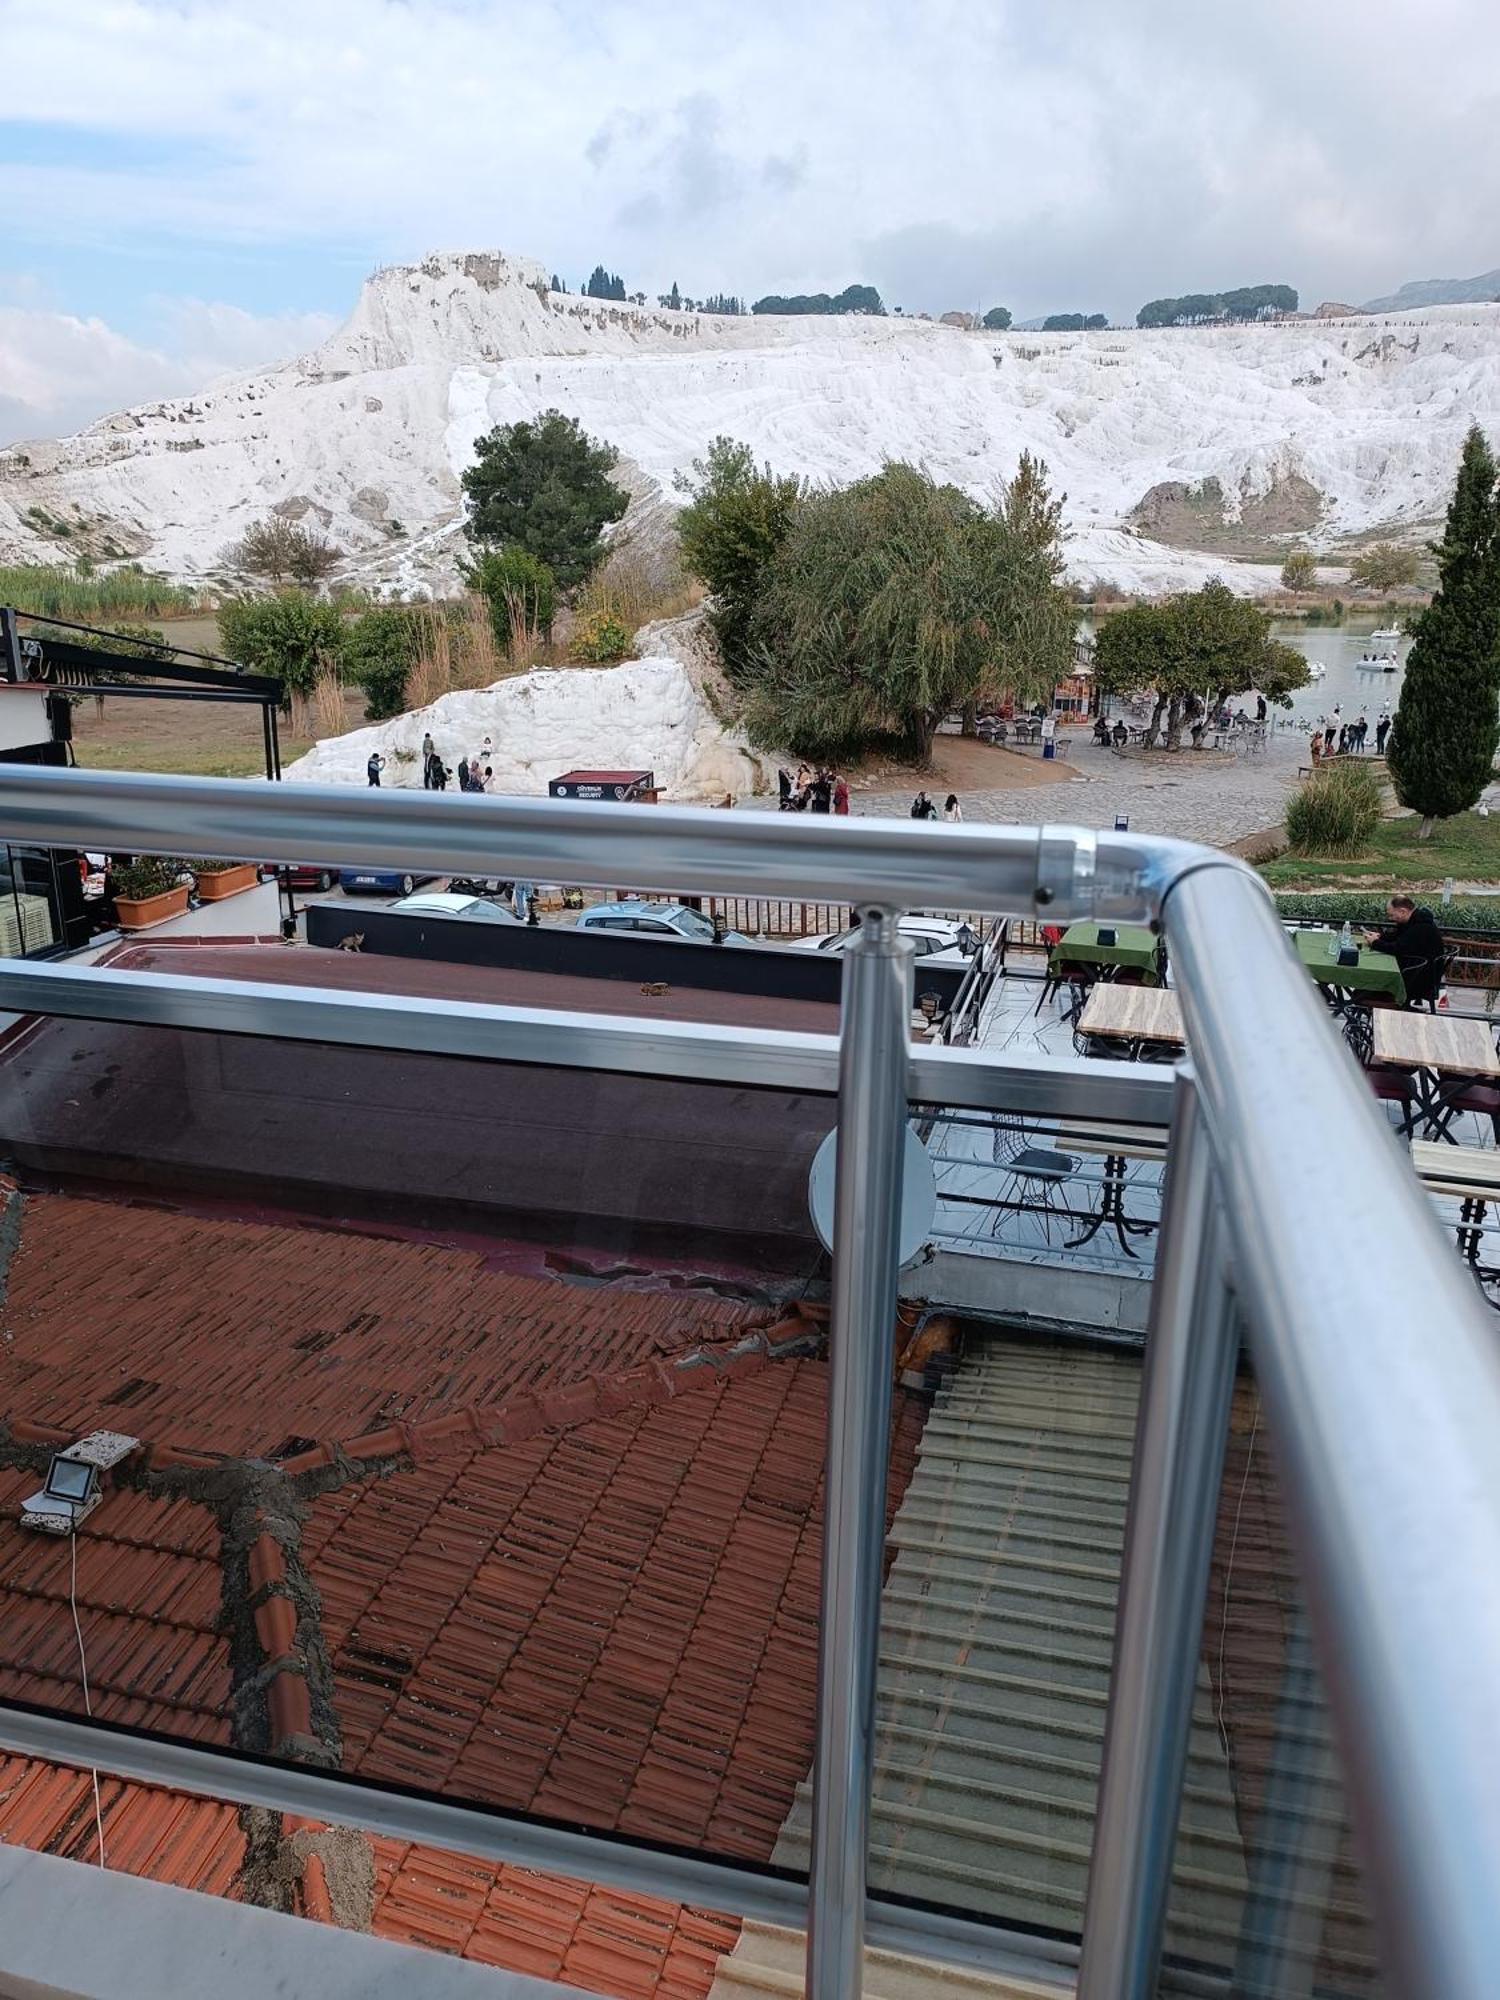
(1383,653)
(1316,670)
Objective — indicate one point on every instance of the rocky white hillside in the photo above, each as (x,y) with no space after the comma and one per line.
(645,715)
(1177,449)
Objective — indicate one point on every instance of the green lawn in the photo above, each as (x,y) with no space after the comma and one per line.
(1464,848)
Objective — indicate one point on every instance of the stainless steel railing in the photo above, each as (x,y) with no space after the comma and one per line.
(1376,1362)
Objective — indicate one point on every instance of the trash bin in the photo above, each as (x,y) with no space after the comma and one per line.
(1049,748)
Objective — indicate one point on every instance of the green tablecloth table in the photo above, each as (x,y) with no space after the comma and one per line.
(1134,947)
(1377,973)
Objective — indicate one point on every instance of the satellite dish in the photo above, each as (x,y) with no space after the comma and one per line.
(918,1196)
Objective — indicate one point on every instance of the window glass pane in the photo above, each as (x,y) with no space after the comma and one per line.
(1266,1887)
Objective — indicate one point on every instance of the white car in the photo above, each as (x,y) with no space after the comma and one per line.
(673,920)
(442,903)
(934,938)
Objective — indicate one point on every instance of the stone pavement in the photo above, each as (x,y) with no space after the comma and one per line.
(1194,795)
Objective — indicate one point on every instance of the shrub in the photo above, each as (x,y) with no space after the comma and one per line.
(379,649)
(279,549)
(290,635)
(147,875)
(599,640)
(1335,813)
(521,594)
(1299,571)
(1367,906)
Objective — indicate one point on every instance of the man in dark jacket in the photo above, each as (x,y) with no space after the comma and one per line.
(1413,939)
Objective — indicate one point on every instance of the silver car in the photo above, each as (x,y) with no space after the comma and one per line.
(442,903)
(640,919)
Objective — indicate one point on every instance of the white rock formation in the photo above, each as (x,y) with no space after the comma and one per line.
(645,715)
(367,436)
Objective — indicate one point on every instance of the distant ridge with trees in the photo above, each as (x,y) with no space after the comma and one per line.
(1075,322)
(1203,308)
(853,299)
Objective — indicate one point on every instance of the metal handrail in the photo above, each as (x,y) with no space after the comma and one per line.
(1062,872)
(1379,1370)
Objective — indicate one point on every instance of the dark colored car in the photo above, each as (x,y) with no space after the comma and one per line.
(382,881)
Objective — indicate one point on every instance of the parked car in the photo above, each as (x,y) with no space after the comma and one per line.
(672,920)
(304,874)
(382,881)
(930,937)
(443,903)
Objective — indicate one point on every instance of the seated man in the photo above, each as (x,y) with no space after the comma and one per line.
(1413,939)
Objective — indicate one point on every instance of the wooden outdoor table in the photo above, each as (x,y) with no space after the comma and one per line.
(1133,1014)
(1436,1042)
(1471,1176)
(1444,1056)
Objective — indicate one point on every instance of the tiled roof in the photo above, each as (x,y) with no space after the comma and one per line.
(550,1545)
(233,1336)
(149,1594)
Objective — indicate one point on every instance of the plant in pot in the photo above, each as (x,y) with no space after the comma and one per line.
(218,879)
(148,890)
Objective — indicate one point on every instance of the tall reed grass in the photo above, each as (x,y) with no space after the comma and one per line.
(52,590)
(1336,812)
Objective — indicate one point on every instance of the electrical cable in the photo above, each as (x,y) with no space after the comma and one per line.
(83,1666)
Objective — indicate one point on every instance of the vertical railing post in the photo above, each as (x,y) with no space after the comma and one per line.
(1178,1464)
(874,1043)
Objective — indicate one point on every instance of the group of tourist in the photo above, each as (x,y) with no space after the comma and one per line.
(1334,737)
(820,791)
(922,807)
(475,773)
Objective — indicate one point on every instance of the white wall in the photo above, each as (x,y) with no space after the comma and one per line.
(23,717)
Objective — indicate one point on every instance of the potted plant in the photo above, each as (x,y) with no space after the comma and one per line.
(218,879)
(147,891)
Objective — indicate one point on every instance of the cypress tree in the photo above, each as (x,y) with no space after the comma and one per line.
(1442,749)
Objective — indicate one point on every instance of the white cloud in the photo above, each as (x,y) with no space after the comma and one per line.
(1081,155)
(58,372)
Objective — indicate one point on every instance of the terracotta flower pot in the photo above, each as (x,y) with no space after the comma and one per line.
(227,882)
(138,913)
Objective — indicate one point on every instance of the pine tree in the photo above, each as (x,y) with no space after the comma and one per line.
(1442,748)
(557,283)
(674,297)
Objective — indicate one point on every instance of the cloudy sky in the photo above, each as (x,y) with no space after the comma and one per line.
(193,186)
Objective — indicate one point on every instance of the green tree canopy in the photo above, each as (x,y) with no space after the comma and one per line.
(604,284)
(1442,749)
(1075,322)
(853,299)
(893,602)
(1385,567)
(997,319)
(379,651)
(1245,302)
(544,486)
(1200,643)
(291,634)
(1299,571)
(736,517)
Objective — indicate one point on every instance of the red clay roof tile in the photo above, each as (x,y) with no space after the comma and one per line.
(576,1578)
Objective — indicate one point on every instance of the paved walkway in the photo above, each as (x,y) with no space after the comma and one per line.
(1195,795)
